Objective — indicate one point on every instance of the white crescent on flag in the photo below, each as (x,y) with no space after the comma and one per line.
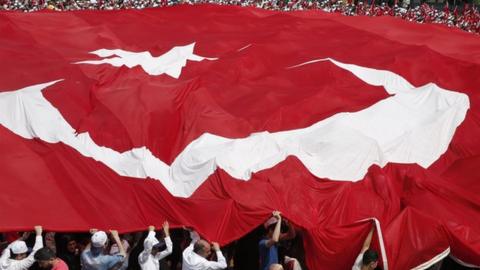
(413,125)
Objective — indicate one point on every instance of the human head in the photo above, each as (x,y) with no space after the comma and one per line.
(275,266)
(71,245)
(202,248)
(370,259)
(99,239)
(19,250)
(158,247)
(45,257)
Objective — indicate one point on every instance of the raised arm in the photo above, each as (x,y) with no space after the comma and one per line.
(116,238)
(27,262)
(168,243)
(147,245)
(38,239)
(276,232)
(194,236)
(6,252)
(221,263)
(368,240)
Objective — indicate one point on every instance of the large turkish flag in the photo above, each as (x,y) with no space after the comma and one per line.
(213,116)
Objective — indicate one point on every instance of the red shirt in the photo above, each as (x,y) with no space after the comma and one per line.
(60,265)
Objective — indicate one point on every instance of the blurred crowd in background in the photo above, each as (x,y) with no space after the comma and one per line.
(452,13)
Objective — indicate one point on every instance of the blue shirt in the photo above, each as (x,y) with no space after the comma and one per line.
(268,255)
(94,259)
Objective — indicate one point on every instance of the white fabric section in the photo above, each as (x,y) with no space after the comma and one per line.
(415,125)
(392,82)
(244,47)
(434,260)
(170,63)
(382,244)
(28,114)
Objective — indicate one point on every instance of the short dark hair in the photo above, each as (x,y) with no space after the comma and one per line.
(369,256)
(160,246)
(44,254)
(198,247)
(271,227)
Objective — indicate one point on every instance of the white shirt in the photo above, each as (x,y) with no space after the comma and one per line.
(146,260)
(10,264)
(358,262)
(193,261)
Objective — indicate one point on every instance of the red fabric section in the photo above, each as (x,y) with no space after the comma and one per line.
(414,225)
(329,244)
(421,211)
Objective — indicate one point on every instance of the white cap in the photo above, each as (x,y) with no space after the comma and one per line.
(19,247)
(150,242)
(270,221)
(99,239)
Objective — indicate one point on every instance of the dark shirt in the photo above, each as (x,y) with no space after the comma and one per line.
(72,260)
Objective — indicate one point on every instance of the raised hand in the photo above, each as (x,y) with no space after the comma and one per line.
(114,233)
(215,246)
(38,230)
(166,228)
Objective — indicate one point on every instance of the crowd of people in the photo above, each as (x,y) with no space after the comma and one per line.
(467,17)
(184,250)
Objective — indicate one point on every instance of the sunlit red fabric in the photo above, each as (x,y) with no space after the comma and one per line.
(422,212)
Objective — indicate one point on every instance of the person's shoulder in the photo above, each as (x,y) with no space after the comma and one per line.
(85,253)
(62,265)
(263,243)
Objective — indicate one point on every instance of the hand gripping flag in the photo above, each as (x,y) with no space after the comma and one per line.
(212,117)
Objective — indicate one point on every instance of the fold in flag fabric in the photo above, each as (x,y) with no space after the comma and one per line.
(213,116)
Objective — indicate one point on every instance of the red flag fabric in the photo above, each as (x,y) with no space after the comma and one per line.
(213,116)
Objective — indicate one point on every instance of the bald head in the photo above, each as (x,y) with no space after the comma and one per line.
(202,248)
(275,266)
